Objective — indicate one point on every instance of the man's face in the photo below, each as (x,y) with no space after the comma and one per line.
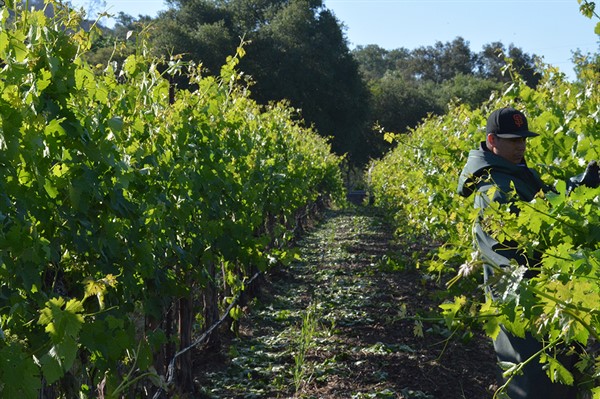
(512,149)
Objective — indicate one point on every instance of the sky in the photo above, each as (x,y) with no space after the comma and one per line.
(552,29)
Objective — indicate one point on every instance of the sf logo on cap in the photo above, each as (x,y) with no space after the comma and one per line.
(518,119)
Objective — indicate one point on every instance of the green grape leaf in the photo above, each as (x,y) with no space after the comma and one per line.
(115,124)
(84,78)
(59,322)
(18,44)
(556,371)
(51,368)
(44,80)
(18,373)
(50,189)
(4,40)
(491,327)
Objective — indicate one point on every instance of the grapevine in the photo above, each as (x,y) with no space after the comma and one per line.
(416,183)
(126,204)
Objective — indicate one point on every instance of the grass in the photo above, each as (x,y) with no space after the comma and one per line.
(305,341)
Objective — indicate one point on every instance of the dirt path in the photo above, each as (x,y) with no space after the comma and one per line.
(339,324)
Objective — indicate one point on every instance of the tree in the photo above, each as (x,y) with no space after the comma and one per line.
(199,30)
(118,43)
(375,61)
(406,86)
(400,103)
(296,51)
(308,63)
(442,61)
(494,58)
(468,89)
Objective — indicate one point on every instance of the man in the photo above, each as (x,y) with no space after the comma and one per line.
(499,163)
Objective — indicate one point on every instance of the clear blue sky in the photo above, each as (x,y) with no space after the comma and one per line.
(549,28)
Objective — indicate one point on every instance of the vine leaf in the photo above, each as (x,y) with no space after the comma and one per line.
(63,322)
(16,366)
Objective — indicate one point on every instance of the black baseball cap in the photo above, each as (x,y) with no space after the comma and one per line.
(508,123)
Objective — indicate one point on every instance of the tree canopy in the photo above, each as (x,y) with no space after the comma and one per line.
(297,51)
(407,85)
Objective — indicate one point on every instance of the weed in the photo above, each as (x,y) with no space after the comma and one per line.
(304,342)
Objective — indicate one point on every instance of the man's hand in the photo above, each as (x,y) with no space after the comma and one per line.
(591,176)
